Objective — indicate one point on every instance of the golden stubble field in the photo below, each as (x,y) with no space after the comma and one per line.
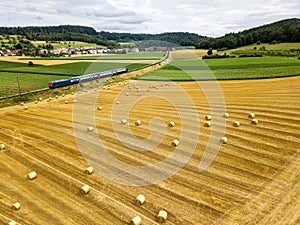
(254,179)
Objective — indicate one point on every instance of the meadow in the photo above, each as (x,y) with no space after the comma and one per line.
(38,76)
(28,82)
(264,49)
(67,44)
(278,46)
(228,68)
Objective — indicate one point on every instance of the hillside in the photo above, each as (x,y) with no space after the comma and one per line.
(281,31)
(88,34)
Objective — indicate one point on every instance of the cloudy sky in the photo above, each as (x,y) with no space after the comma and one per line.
(209,17)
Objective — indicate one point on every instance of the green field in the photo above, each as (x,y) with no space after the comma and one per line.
(38,76)
(67,44)
(28,82)
(128,56)
(279,46)
(69,69)
(5,41)
(229,68)
(278,49)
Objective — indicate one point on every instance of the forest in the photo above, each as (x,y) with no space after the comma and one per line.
(90,35)
(281,31)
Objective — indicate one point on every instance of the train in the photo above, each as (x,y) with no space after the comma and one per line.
(85,78)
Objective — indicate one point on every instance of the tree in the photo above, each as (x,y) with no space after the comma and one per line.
(263,48)
(210,51)
(30,63)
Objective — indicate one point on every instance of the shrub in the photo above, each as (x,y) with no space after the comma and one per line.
(210,51)
(215,56)
(21,99)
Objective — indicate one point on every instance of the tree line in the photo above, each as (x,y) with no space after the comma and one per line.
(281,31)
(90,35)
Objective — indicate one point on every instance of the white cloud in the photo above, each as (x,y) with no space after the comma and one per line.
(211,18)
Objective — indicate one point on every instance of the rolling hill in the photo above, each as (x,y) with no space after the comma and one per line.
(282,31)
(89,34)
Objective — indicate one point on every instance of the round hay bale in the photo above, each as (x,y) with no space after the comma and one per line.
(75,101)
(26,107)
(90,170)
(236,124)
(162,216)
(50,98)
(171,124)
(22,103)
(207,124)
(12,222)
(254,121)
(40,99)
(56,96)
(85,189)
(127,94)
(72,92)
(138,123)
(175,143)
(208,117)
(123,121)
(66,102)
(140,199)
(226,115)
(224,140)
(136,220)
(63,95)
(99,108)
(32,175)
(251,115)
(117,102)
(16,206)
(2,147)
(90,129)
(35,102)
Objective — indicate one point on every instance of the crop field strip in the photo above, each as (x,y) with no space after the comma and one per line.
(254,157)
(232,68)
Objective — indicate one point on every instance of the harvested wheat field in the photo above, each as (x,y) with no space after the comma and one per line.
(254,178)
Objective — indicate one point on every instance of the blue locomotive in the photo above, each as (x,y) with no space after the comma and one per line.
(85,78)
